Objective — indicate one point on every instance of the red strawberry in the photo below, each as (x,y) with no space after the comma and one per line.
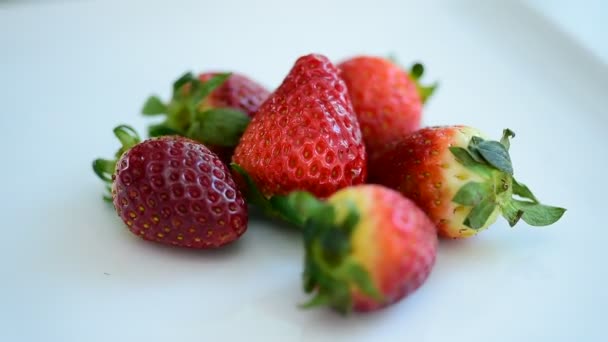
(305,136)
(237,92)
(366,247)
(175,191)
(387,100)
(213,109)
(462,181)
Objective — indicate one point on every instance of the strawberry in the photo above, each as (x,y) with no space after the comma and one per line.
(173,190)
(460,179)
(305,136)
(387,100)
(366,246)
(213,109)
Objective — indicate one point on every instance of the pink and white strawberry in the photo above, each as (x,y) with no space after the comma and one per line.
(460,179)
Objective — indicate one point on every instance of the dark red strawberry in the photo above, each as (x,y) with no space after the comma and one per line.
(174,190)
(305,136)
(237,92)
(460,179)
(213,109)
(387,100)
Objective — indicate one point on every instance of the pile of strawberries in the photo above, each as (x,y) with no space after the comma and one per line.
(338,152)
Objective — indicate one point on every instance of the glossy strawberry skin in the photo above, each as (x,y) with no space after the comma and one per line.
(305,136)
(422,168)
(394,241)
(385,99)
(175,191)
(238,92)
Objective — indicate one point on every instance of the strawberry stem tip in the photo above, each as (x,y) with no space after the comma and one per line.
(416,72)
(330,271)
(187,115)
(491,160)
(105,168)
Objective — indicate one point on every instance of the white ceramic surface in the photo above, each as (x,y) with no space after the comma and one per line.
(71,71)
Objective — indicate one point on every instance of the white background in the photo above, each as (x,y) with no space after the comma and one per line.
(70,71)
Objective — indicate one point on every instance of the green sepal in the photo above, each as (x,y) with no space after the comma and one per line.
(479,215)
(416,72)
(471,193)
(523,191)
(496,155)
(318,300)
(253,193)
(219,126)
(363,280)
(105,168)
(200,90)
(154,106)
(183,80)
(128,138)
(161,130)
(538,215)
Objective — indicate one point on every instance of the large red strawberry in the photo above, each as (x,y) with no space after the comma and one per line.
(174,190)
(305,136)
(460,179)
(366,246)
(213,109)
(387,100)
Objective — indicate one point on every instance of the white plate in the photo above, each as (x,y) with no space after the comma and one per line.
(71,71)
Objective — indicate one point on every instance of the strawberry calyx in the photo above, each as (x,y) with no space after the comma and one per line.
(330,270)
(426,91)
(491,160)
(105,168)
(188,114)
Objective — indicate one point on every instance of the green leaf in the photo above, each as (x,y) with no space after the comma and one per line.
(221,126)
(463,156)
(471,194)
(202,90)
(522,190)
(480,213)
(335,244)
(496,155)
(104,169)
(511,213)
(127,136)
(363,281)
(340,296)
(320,299)
(161,130)
(154,106)
(536,214)
(184,79)
(417,70)
(301,204)
(506,134)
(254,196)
(352,218)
